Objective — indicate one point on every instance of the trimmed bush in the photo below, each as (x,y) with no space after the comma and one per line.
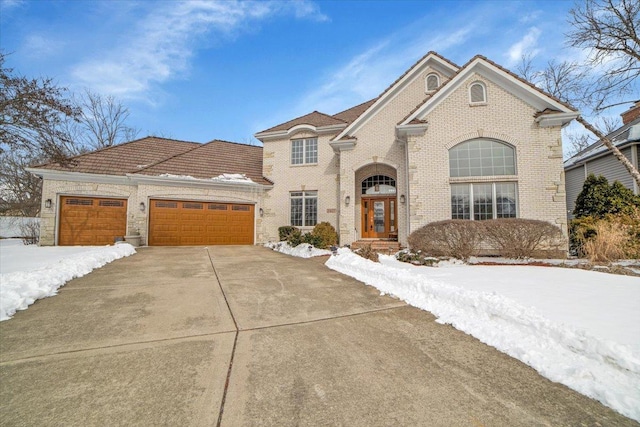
(326,235)
(521,238)
(456,238)
(285,231)
(312,239)
(295,238)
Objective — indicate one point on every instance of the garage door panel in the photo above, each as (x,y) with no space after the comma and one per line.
(91,220)
(186,223)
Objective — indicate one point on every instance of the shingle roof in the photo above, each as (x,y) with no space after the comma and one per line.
(211,160)
(124,158)
(625,134)
(353,113)
(315,118)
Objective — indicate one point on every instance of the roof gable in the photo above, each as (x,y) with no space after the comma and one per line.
(502,77)
(431,59)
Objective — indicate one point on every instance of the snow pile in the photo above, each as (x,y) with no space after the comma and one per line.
(232,177)
(551,336)
(303,250)
(41,271)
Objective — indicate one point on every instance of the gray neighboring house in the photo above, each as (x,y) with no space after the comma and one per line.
(598,160)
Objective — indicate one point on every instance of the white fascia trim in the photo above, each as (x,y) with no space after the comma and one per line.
(57,175)
(595,156)
(438,64)
(285,133)
(343,145)
(413,129)
(556,119)
(522,90)
(179,182)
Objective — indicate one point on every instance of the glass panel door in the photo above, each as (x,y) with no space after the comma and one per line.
(378,216)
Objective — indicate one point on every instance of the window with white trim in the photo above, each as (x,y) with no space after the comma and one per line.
(477,93)
(432,82)
(304,208)
(479,198)
(304,151)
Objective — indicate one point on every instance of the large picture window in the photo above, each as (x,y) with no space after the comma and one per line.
(480,201)
(304,208)
(483,200)
(304,151)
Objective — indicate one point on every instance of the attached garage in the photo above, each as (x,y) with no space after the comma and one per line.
(189,223)
(91,220)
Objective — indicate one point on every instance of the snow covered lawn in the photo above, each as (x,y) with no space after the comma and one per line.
(28,273)
(576,327)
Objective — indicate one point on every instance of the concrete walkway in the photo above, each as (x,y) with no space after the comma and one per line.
(238,336)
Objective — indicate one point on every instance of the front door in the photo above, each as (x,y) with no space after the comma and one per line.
(379,217)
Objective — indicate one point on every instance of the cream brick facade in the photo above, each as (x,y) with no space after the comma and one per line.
(136,192)
(321,177)
(407,134)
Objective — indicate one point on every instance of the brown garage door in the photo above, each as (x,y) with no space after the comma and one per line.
(187,223)
(91,220)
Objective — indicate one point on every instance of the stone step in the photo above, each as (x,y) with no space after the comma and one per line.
(380,246)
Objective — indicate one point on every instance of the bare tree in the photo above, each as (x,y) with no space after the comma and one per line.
(31,114)
(20,191)
(102,122)
(610,30)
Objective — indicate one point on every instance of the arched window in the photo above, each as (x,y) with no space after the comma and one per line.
(477,93)
(482,157)
(478,198)
(379,184)
(432,82)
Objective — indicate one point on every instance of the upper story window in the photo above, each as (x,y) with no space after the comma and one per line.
(304,151)
(482,157)
(477,93)
(432,82)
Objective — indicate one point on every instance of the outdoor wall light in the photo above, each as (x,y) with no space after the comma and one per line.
(402,199)
(47,203)
(347,200)
(142,206)
(261,211)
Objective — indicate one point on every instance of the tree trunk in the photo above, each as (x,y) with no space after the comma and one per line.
(614,150)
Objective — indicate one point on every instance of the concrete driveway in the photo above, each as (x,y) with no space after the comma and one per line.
(238,336)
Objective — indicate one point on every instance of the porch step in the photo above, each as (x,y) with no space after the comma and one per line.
(388,247)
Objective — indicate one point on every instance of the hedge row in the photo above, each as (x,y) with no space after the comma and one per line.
(509,237)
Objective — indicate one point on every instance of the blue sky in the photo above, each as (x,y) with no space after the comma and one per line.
(224,70)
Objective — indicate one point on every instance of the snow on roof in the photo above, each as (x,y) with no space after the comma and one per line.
(225,177)
(622,136)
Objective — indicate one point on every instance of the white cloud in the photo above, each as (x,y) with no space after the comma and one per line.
(160,45)
(10,4)
(39,46)
(526,46)
(367,74)
(530,17)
